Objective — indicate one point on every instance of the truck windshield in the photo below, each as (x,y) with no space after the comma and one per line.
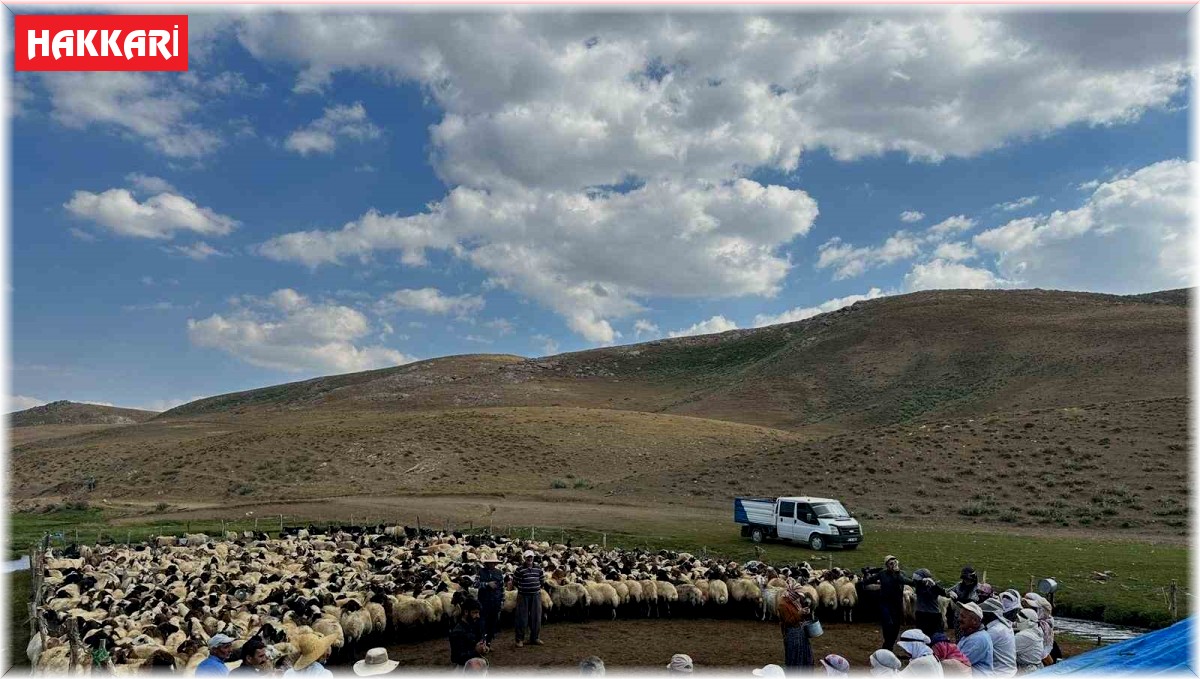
(830,510)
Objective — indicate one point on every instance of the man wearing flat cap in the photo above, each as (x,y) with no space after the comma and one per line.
(220,647)
(973,640)
(530,578)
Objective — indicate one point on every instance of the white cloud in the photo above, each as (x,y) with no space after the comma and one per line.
(477,338)
(644,327)
(910,216)
(1132,235)
(20,95)
(1089,186)
(321,135)
(199,251)
(590,256)
(951,226)
(955,252)
(159,217)
(849,261)
(549,345)
(164,404)
(939,274)
(16,403)
(1017,204)
(147,184)
(546,107)
(564,101)
(801,313)
(293,334)
(152,306)
(145,106)
(502,326)
(373,231)
(713,325)
(432,301)
(82,235)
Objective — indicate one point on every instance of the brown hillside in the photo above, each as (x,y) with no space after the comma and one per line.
(919,356)
(68,413)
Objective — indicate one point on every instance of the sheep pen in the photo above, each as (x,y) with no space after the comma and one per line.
(382,586)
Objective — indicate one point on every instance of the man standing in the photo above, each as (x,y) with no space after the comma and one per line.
(929,615)
(220,647)
(529,578)
(465,639)
(965,592)
(490,583)
(973,641)
(891,582)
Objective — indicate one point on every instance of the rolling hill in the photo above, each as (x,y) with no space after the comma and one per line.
(1031,407)
(69,413)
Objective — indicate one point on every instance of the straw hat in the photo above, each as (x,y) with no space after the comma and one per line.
(489,557)
(312,647)
(376,662)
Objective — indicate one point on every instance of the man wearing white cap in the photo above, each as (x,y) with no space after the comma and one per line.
(1004,643)
(529,578)
(220,647)
(973,640)
(922,662)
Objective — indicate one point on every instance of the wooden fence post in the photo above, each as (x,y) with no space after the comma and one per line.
(1173,603)
(532,534)
(605,538)
(73,644)
(281,525)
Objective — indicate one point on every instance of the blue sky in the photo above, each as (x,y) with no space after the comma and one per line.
(312,199)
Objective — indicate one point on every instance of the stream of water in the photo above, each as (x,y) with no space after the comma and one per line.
(1090,629)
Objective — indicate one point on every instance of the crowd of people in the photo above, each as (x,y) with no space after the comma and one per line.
(981,632)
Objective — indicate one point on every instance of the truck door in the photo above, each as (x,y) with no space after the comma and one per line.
(786,523)
(806,521)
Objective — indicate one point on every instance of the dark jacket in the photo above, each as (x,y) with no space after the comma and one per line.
(463,639)
(891,589)
(927,597)
(487,594)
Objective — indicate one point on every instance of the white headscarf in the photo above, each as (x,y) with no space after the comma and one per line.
(884,663)
(915,643)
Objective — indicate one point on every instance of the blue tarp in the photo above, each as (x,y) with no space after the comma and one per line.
(1167,650)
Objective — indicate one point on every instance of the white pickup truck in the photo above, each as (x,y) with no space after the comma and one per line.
(820,522)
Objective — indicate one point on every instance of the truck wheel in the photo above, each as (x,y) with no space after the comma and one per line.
(756,535)
(816,542)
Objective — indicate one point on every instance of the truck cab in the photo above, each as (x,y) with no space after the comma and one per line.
(815,521)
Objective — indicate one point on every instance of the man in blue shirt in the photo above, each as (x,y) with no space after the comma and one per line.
(220,647)
(973,640)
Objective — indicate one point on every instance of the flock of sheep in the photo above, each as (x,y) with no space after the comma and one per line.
(371,587)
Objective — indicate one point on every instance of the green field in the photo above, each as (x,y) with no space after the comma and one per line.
(1136,595)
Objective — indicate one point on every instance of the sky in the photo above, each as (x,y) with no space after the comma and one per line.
(327,193)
